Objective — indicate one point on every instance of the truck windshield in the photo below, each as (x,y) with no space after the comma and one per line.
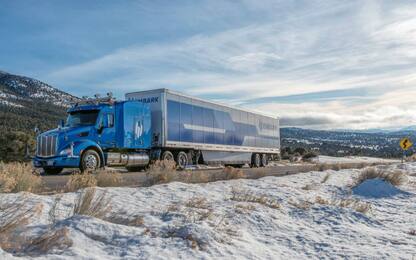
(82,118)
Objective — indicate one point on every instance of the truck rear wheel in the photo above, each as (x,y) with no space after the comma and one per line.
(255,160)
(167,156)
(182,160)
(90,161)
(52,171)
(264,160)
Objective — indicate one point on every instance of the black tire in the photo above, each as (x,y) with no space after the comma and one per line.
(52,171)
(167,155)
(264,160)
(255,160)
(90,161)
(182,160)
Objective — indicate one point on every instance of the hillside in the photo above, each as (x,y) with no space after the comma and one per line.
(342,143)
(26,103)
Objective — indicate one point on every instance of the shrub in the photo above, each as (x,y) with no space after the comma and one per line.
(300,151)
(16,177)
(108,178)
(309,155)
(80,180)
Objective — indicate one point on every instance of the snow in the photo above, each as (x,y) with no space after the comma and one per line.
(221,226)
(352,159)
(377,188)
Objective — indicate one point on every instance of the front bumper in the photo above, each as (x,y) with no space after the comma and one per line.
(58,161)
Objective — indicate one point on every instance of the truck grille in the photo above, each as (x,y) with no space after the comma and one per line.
(46,145)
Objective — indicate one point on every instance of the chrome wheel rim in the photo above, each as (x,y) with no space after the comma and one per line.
(167,157)
(91,162)
(257,160)
(182,161)
(264,160)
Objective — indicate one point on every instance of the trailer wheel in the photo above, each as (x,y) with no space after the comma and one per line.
(264,160)
(90,161)
(167,156)
(182,160)
(52,171)
(255,160)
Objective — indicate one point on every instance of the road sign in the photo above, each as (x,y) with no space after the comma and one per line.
(405,143)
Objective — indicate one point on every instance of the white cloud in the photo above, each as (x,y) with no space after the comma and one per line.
(304,50)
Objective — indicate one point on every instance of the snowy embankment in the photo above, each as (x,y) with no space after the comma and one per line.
(352,159)
(308,215)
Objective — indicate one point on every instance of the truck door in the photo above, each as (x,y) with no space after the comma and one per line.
(106,130)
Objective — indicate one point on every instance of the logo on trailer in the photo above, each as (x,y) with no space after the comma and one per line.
(148,99)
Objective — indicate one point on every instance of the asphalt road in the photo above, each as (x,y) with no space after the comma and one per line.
(144,178)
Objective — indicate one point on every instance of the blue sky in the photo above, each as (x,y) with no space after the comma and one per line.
(316,64)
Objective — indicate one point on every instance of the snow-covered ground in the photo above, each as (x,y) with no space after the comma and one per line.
(352,159)
(268,218)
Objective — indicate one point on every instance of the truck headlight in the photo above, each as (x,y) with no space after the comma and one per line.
(66,151)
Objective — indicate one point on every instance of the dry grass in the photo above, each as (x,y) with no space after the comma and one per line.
(13,218)
(396,178)
(88,204)
(411,158)
(108,178)
(193,210)
(161,172)
(244,208)
(80,180)
(247,196)
(233,173)
(54,239)
(304,205)
(311,186)
(339,166)
(357,205)
(16,177)
(134,221)
(326,178)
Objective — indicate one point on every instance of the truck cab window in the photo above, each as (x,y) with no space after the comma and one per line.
(82,118)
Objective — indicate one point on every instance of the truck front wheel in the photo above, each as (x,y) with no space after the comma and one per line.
(90,161)
(52,171)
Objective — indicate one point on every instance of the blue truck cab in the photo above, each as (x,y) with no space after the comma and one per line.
(97,132)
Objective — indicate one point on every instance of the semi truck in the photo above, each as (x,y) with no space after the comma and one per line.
(158,124)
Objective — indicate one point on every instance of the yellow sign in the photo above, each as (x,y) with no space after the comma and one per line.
(405,143)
